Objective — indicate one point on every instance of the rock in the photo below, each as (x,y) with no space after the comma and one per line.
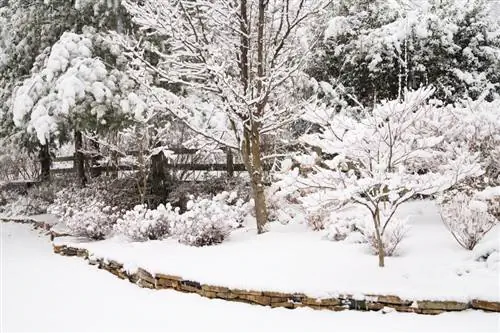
(389,299)
(330,301)
(276,294)
(287,305)
(216,289)
(278,299)
(145,284)
(162,283)
(298,297)
(207,293)
(189,288)
(247,292)
(145,276)
(83,253)
(337,308)
(59,248)
(168,277)
(373,306)
(485,305)
(228,295)
(429,311)
(310,301)
(442,305)
(258,299)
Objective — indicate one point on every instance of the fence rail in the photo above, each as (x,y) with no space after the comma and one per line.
(228,167)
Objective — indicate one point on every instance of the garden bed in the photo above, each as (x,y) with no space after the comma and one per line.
(291,260)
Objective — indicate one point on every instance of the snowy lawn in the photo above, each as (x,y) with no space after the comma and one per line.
(431,265)
(45,292)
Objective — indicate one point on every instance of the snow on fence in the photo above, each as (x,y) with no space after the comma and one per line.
(169,164)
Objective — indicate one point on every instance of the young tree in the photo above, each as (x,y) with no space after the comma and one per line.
(399,149)
(239,64)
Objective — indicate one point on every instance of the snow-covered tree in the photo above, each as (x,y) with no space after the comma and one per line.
(239,64)
(399,149)
(376,49)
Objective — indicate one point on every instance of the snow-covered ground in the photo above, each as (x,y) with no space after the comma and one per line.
(41,291)
(289,258)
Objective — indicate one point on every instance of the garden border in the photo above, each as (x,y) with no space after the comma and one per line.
(146,279)
(370,302)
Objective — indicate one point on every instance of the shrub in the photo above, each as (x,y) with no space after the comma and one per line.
(143,224)
(31,201)
(209,221)
(467,219)
(317,220)
(391,237)
(343,223)
(84,212)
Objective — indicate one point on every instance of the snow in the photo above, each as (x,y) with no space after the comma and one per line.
(289,258)
(45,292)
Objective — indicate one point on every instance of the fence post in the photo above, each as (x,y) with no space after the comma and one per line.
(78,163)
(229,162)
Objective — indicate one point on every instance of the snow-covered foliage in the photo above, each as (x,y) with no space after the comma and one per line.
(35,200)
(72,83)
(240,68)
(389,240)
(85,212)
(347,221)
(488,249)
(17,163)
(376,49)
(467,219)
(143,224)
(209,221)
(399,149)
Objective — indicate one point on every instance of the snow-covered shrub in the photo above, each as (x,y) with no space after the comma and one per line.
(345,222)
(467,219)
(393,234)
(488,249)
(85,212)
(318,220)
(179,196)
(94,220)
(209,221)
(142,224)
(34,200)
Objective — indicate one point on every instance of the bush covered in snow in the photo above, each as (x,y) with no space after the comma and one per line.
(209,221)
(85,213)
(32,201)
(467,219)
(143,224)
(345,222)
(391,236)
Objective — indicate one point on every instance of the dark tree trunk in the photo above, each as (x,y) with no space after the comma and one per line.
(79,162)
(45,162)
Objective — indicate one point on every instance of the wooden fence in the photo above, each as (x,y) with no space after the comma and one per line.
(229,166)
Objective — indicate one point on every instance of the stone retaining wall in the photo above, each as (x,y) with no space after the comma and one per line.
(145,279)
(37,224)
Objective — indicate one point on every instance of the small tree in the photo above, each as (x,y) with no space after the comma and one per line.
(396,151)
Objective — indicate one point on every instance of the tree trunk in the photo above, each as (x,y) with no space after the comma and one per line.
(229,163)
(79,158)
(252,159)
(380,244)
(45,162)
(95,170)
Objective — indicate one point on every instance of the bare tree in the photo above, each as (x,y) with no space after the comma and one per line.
(240,65)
